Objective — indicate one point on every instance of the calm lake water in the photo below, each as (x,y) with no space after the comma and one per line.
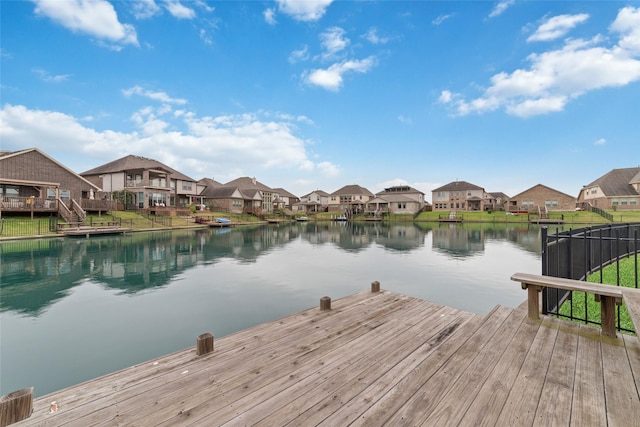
(74,309)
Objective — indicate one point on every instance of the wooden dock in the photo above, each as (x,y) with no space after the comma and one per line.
(89,230)
(372,359)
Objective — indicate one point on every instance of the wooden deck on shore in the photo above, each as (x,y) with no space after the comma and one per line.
(374,358)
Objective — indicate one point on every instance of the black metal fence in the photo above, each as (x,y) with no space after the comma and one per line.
(575,254)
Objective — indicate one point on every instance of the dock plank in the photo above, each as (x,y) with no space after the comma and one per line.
(588,407)
(554,407)
(521,405)
(621,395)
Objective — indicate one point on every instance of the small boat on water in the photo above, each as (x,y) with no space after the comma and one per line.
(340,218)
(222,220)
(302,219)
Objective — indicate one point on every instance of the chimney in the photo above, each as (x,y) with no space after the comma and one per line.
(253,180)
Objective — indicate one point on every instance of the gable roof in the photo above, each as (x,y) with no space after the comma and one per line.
(318,192)
(9,154)
(499,195)
(132,162)
(246,183)
(284,193)
(543,186)
(457,186)
(210,184)
(352,189)
(618,182)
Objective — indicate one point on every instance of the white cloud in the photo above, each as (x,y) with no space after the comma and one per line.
(440,19)
(97,18)
(270,16)
(557,27)
(373,37)
(156,96)
(328,169)
(600,141)
(627,24)
(229,145)
(299,55)
(556,77)
(405,120)
(178,10)
(331,78)
(501,7)
(49,78)
(145,9)
(304,10)
(333,40)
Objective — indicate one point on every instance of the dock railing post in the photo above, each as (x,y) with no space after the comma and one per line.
(325,303)
(375,286)
(16,406)
(204,344)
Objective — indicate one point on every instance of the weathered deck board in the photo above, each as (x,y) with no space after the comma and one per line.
(374,359)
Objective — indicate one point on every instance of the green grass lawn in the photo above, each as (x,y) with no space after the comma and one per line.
(610,277)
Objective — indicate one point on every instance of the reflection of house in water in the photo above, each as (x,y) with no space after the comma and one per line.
(399,237)
(458,241)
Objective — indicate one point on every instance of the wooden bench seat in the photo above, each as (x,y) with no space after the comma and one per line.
(608,296)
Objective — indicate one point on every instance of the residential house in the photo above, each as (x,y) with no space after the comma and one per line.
(350,199)
(284,199)
(617,189)
(31,181)
(458,196)
(316,201)
(146,183)
(401,199)
(495,201)
(258,197)
(541,198)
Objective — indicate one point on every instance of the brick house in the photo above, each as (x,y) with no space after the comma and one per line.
(31,181)
(540,197)
(617,189)
(458,196)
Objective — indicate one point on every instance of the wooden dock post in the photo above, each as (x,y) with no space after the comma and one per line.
(204,344)
(325,303)
(375,286)
(16,406)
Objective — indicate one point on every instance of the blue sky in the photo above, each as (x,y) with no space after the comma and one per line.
(318,94)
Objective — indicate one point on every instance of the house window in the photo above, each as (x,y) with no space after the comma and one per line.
(65,194)
(462,206)
(614,202)
(527,203)
(451,205)
(186,185)
(51,193)
(633,202)
(402,205)
(236,203)
(551,203)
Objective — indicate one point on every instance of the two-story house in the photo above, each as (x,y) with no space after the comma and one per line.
(145,183)
(350,199)
(316,201)
(401,199)
(458,196)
